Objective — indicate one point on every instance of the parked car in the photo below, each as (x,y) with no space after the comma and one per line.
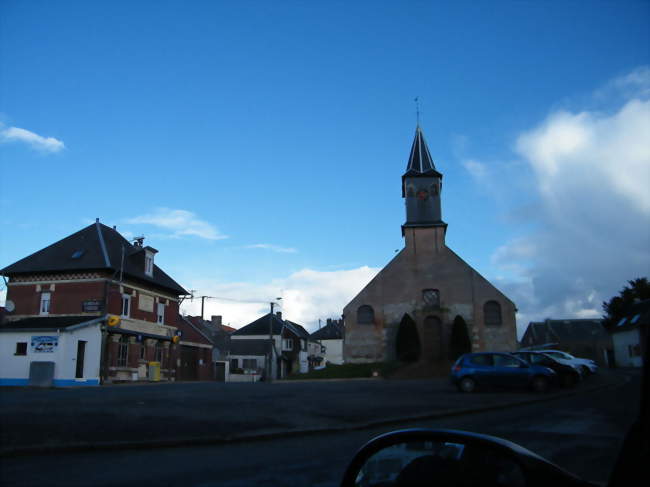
(567,375)
(587,366)
(474,370)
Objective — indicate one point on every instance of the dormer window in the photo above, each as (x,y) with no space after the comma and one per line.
(148,264)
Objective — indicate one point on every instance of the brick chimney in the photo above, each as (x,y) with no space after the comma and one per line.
(216,321)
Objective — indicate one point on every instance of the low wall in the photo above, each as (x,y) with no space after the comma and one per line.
(244,377)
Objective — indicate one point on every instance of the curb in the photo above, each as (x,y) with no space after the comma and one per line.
(216,440)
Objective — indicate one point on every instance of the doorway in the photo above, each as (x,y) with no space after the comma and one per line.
(81,351)
(407,341)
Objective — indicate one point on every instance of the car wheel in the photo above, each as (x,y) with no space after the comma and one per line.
(585,370)
(467,384)
(540,384)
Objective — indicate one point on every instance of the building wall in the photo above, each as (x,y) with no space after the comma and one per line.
(333,351)
(14,369)
(623,341)
(65,297)
(69,291)
(425,263)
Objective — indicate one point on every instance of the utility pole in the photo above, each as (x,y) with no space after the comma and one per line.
(269,362)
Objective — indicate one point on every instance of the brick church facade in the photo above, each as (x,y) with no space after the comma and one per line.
(425,287)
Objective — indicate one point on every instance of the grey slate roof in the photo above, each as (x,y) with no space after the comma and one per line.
(297,329)
(331,331)
(45,322)
(261,326)
(219,338)
(96,247)
(420,161)
(249,347)
(563,331)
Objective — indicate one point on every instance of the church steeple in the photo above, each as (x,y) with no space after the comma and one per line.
(421,186)
(420,159)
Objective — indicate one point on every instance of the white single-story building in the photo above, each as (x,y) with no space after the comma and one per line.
(51,351)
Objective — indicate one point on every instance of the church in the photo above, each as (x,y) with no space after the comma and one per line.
(408,311)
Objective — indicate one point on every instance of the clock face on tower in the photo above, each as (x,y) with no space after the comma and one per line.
(422,194)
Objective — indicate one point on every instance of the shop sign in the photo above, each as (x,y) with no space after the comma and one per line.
(44,344)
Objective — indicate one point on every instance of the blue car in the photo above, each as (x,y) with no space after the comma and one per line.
(494,369)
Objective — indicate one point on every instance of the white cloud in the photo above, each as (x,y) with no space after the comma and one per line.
(180,222)
(35,141)
(476,169)
(274,248)
(591,170)
(307,295)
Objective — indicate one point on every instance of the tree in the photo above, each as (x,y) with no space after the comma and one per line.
(459,342)
(615,308)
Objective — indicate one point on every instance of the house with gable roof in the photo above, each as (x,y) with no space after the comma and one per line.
(330,339)
(92,308)
(250,348)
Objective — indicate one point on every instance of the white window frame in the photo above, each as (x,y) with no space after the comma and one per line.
(46,304)
(126,298)
(160,316)
(287,344)
(148,264)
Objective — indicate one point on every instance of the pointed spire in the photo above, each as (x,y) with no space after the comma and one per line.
(420,159)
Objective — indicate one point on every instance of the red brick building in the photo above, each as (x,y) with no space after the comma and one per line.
(95,277)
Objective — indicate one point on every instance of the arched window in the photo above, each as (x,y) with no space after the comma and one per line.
(492,313)
(431,298)
(365,315)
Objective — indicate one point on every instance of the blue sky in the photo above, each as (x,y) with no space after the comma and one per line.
(259,145)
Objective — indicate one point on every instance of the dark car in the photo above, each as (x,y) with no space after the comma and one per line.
(494,369)
(567,375)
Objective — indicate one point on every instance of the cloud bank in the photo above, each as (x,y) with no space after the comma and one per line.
(180,222)
(35,141)
(591,171)
(307,295)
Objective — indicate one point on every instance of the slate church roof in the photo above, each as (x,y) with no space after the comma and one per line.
(96,247)
(420,161)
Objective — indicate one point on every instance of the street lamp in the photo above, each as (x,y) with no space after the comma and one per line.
(269,362)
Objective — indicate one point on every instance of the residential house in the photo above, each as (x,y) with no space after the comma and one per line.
(219,336)
(584,338)
(92,308)
(630,335)
(288,353)
(330,337)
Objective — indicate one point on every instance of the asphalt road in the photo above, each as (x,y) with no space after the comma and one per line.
(582,433)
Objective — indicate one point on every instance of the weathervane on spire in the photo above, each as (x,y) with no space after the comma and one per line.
(417,109)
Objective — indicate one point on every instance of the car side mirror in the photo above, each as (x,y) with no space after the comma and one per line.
(419,457)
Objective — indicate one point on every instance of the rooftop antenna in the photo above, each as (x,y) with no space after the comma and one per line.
(417,109)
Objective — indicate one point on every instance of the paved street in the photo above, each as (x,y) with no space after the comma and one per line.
(581,432)
(175,414)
